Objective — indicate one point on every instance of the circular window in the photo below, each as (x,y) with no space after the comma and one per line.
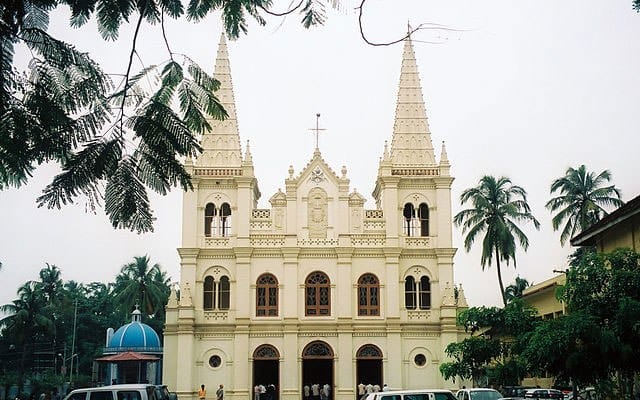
(420,360)
(215,361)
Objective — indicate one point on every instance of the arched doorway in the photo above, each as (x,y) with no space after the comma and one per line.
(317,367)
(266,371)
(369,365)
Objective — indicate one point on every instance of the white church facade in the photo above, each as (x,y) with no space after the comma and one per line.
(316,289)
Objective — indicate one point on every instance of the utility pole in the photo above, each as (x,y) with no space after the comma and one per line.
(73,344)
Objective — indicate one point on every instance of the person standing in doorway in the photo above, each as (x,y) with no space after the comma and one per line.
(307,392)
(361,391)
(202,393)
(315,391)
(220,392)
(326,391)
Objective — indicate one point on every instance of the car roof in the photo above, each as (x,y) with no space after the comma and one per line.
(405,391)
(112,387)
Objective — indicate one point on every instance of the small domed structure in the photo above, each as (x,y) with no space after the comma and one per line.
(133,353)
(135,336)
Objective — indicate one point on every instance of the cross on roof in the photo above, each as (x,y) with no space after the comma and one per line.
(317,129)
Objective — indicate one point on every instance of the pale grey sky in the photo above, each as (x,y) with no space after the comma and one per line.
(525,89)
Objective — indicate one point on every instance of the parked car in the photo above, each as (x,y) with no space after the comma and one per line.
(163,393)
(416,394)
(115,392)
(478,394)
(588,393)
(543,394)
(514,391)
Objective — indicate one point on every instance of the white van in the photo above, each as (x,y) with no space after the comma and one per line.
(115,392)
(416,394)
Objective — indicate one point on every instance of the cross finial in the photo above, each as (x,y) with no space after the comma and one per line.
(317,129)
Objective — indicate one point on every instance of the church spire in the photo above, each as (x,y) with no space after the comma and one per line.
(411,144)
(221,145)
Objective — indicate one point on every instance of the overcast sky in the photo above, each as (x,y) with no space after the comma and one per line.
(522,89)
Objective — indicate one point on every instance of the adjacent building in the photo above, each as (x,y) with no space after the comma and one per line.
(621,228)
(316,289)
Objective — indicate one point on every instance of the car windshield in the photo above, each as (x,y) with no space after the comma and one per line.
(485,395)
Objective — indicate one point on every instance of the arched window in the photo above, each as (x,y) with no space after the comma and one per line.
(409,214)
(266,352)
(207,302)
(267,296)
(224,293)
(368,295)
(317,294)
(423,216)
(209,216)
(425,293)
(410,293)
(225,219)
(369,351)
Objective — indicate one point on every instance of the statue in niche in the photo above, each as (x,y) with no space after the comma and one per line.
(317,213)
(357,220)
(277,219)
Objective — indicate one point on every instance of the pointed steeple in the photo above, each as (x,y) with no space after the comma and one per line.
(444,159)
(248,159)
(221,145)
(411,144)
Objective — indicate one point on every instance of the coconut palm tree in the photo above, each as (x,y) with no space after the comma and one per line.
(141,283)
(581,201)
(51,283)
(26,319)
(498,207)
(516,289)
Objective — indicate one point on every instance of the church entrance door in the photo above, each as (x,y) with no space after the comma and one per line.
(369,366)
(266,372)
(317,368)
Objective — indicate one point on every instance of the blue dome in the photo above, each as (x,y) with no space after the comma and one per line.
(135,335)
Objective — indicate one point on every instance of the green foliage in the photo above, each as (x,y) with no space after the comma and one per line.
(470,358)
(495,353)
(507,373)
(581,201)
(513,320)
(142,284)
(515,290)
(597,340)
(497,208)
(113,142)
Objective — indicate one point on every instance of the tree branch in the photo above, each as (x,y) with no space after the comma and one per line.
(164,35)
(423,26)
(126,78)
(282,14)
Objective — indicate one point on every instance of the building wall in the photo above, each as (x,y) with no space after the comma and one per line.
(542,296)
(625,234)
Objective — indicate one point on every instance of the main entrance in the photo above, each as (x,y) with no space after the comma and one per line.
(317,366)
(266,370)
(369,366)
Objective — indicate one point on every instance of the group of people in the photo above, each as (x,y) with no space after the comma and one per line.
(202,393)
(262,392)
(316,392)
(364,390)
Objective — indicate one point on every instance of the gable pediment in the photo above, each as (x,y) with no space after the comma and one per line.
(317,173)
